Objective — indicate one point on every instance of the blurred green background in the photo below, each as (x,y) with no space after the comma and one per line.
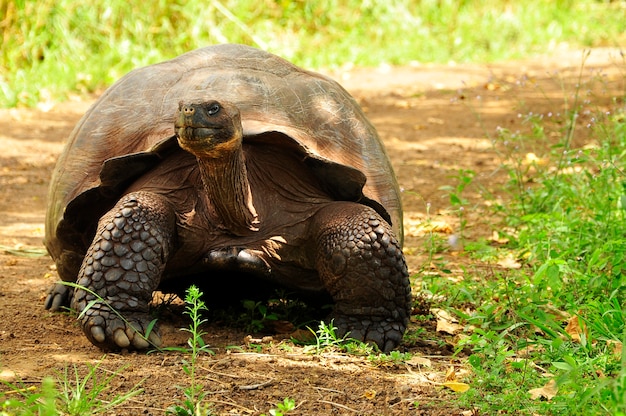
(55,48)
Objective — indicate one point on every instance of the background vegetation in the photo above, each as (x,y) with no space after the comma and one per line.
(52,48)
(545,331)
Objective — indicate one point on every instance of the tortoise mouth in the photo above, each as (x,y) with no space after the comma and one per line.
(194,133)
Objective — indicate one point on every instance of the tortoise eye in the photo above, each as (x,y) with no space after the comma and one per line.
(214,109)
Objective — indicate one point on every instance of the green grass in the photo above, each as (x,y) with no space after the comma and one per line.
(326,339)
(70,394)
(565,219)
(54,48)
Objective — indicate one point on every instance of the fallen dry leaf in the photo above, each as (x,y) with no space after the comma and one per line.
(451,382)
(445,322)
(495,237)
(532,159)
(509,262)
(370,394)
(419,361)
(448,327)
(439,227)
(548,391)
(451,374)
(456,386)
(575,328)
(417,225)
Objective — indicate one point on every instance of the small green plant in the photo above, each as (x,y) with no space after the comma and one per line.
(283,408)
(75,396)
(24,400)
(326,338)
(257,315)
(269,312)
(84,396)
(193,405)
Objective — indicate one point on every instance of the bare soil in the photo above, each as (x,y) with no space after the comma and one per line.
(434,120)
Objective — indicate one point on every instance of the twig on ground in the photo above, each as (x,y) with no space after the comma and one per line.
(330,390)
(257,386)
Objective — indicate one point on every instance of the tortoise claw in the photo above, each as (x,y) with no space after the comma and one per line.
(97,334)
(384,333)
(109,332)
(59,296)
(120,338)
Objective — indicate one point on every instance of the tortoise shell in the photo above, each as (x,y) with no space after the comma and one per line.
(130,129)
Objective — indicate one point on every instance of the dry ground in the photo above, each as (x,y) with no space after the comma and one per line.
(434,121)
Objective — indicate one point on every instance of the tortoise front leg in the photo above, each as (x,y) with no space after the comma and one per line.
(123,266)
(361,264)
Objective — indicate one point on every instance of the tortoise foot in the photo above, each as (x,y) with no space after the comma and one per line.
(59,296)
(385,333)
(109,326)
(361,264)
(120,271)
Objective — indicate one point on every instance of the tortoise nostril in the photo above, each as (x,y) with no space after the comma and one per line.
(188,110)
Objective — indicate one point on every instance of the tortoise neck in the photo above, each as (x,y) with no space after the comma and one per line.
(226,183)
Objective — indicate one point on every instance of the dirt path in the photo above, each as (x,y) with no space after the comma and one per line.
(434,121)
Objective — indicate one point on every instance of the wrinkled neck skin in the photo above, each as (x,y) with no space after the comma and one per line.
(226,183)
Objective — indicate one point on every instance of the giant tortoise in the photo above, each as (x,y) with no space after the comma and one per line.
(222,164)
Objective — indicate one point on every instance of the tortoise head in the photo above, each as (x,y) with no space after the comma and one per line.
(208,129)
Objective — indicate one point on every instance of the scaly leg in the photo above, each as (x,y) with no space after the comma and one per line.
(123,266)
(361,264)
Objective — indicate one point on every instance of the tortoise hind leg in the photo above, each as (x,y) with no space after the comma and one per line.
(360,263)
(123,266)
